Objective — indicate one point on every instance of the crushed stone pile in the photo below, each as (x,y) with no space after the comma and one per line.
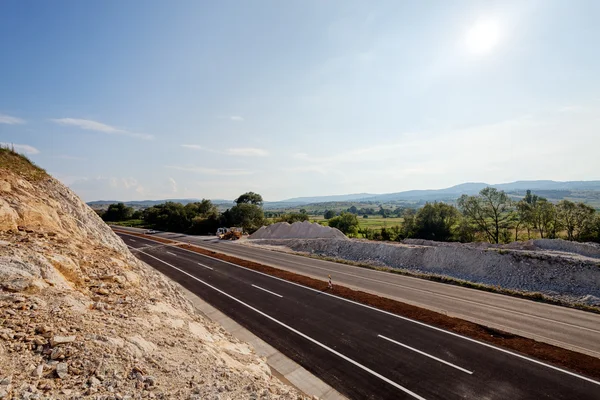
(563,270)
(81,317)
(297,230)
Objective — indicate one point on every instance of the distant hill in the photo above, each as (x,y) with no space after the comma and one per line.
(323,199)
(103,204)
(472,188)
(584,191)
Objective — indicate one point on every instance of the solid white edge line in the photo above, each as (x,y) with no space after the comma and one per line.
(268,291)
(403,318)
(427,355)
(205,266)
(405,390)
(414,289)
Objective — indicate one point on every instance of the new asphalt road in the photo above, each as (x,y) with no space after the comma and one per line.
(362,352)
(560,326)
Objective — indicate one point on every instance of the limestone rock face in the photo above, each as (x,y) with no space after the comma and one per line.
(81,317)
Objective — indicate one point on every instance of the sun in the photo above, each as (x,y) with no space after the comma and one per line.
(483,37)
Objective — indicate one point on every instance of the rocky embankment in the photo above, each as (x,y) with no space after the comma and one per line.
(559,269)
(81,317)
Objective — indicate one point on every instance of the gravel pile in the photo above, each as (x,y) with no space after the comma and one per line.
(572,276)
(297,230)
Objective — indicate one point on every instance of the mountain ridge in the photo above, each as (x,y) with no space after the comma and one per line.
(450,193)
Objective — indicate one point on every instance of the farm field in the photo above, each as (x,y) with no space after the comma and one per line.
(372,222)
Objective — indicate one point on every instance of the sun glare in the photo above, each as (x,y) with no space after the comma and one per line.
(483,37)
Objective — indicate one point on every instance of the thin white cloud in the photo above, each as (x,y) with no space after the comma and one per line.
(235,118)
(210,171)
(238,151)
(572,109)
(194,146)
(21,148)
(7,119)
(67,157)
(247,152)
(106,188)
(173,183)
(99,127)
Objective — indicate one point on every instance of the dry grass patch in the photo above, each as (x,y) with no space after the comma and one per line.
(19,164)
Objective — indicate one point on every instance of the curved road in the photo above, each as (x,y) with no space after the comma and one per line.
(568,328)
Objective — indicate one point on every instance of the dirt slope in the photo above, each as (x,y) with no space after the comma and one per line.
(80,317)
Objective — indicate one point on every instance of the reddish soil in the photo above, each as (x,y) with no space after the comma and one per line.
(582,363)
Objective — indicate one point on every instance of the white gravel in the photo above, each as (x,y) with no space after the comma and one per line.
(297,230)
(557,268)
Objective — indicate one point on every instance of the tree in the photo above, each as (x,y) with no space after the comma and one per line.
(329,214)
(490,211)
(303,211)
(383,212)
(408,226)
(250,198)
(465,232)
(524,215)
(246,215)
(117,212)
(435,221)
(292,217)
(544,217)
(577,218)
(169,216)
(593,234)
(345,222)
(204,217)
(353,210)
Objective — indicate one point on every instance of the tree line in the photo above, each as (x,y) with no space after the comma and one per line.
(197,218)
(494,217)
(489,216)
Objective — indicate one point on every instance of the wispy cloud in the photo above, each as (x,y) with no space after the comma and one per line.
(247,151)
(7,119)
(21,148)
(235,118)
(103,187)
(194,146)
(572,109)
(210,171)
(173,183)
(90,125)
(238,151)
(67,157)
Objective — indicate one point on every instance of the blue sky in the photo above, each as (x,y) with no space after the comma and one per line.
(154,99)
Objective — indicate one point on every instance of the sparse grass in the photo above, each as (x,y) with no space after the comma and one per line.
(21,165)
(373,222)
(136,223)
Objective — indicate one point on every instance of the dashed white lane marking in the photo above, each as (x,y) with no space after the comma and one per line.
(173,254)
(351,361)
(132,240)
(585,378)
(268,291)
(427,355)
(205,266)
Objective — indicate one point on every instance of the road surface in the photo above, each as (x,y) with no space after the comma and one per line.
(362,352)
(564,327)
